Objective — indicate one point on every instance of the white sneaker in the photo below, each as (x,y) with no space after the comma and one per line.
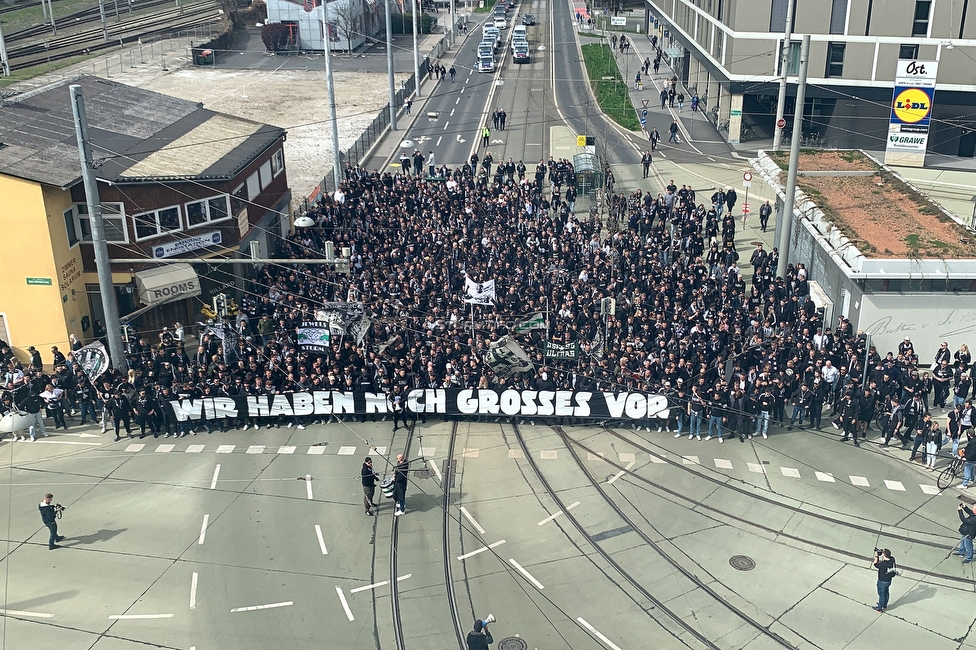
(398,513)
(289,425)
(707,438)
(301,427)
(658,429)
(637,427)
(698,437)
(677,435)
(765,437)
(721,440)
(691,436)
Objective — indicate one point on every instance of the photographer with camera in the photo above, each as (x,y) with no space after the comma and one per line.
(50,513)
(884,562)
(967,529)
(480,638)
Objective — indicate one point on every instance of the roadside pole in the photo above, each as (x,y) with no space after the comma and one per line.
(786,218)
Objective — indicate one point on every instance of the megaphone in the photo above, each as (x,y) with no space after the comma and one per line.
(489,619)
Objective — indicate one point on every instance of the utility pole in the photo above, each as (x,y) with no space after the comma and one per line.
(330,90)
(101,12)
(4,63)
(783,64)
(110,305)
(786,218)
(416,52)
(389,67)
(54,25)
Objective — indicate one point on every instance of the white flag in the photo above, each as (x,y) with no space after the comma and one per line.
(93,359)
(479,293)
(506,357)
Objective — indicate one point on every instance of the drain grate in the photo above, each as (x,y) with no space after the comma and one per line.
(512,643)
(742,563)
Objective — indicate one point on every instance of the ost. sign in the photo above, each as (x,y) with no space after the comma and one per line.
(452,401)
(911,112)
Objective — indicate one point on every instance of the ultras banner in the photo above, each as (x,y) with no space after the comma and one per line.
(451,401)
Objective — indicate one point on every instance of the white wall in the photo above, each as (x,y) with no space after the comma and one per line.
(310,23)
(928,319)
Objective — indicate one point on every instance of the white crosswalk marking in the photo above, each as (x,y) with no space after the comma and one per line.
(195,449)
(825,477)
(860,481)
(164,449)
(225,449)
(930,489)
(380,450)
(134,447)
(316,450)
(791,472)
(470,453)
(627,458)
(690,460)
(895,485)
(286,449)
(346,451)
(721,463)
(515,453)
(756,468)
(255,449)
(598,456)
(657,460)
(427,452)
(548,454)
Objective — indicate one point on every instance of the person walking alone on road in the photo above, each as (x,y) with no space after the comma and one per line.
(681,101)
(502,118)
(369,477)
(485,135)
(479,638)
(664,96)
(49,515)
(764,211)
(453,73)
(968,530)
(654,137)
(400,484)
(406,106)
(673,131)
(885,564)
(646,162)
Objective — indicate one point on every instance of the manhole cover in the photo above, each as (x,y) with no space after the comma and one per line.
(512,643)
(742,562)
(422,473)
(756,243)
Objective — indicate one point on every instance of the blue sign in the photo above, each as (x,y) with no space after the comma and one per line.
(644,112)
(643,121)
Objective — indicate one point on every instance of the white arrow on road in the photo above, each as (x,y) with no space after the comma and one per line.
(422,139)
(460,139)
(498,142)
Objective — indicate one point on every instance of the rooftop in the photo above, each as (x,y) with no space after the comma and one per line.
(137,135)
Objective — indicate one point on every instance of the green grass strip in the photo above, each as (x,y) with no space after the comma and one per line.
(610,89)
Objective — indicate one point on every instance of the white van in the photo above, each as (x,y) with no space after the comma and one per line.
(486,63)
(519,33)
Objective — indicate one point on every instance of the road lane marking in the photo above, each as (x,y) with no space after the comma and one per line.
(256,449)
(930,489)
(480,550)
(440,479)
(825,477)
(74,442)
(469,453)
(286,449)
(346,451)
(474,523)
(526,574)
(165,449)
(308,485)
(859,481)
(895,485)
(134,447)
(195,449)
(756,468)
(446,124)
(318,533)
(690,460)
(252,608)
(557,513)
(213,483)
(595,632)
(438,143)
(226,449)
(722,463)
(136,617)
(516,453)
(627,458)
(203,529)
(377,585)
(345,605)
(454,109)
(17,612)
(548,454)
(621,472)
(316,450)
(657,460)
(791,472)
(425,451)
(193,590)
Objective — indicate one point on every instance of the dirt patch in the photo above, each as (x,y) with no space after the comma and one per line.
(837,161)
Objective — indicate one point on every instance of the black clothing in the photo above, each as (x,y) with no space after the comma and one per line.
(479,641)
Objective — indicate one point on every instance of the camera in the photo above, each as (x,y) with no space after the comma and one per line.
(59,510)
(878,551)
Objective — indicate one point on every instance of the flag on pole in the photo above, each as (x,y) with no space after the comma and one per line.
(562,350)
(479,293)
(93,359)
(505,357)
(534,322)
(315,336)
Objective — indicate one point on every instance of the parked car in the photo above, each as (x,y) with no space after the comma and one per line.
(528,19)
(486,63)
(520,52)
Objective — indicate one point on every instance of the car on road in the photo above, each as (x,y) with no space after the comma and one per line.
(519,33)
(486,49)
(486,63)
(528,19)
(520,52)
(500,23)
(510,4)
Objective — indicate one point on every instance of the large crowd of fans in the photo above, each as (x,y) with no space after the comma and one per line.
(731,356)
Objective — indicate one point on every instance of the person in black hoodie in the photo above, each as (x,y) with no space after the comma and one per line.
(479,638)
(32,402)
(120,409)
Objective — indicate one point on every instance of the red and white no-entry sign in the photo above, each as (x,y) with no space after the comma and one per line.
(780,123)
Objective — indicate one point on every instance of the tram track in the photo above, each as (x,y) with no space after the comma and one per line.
(686,501)
(394,560)
(447,477)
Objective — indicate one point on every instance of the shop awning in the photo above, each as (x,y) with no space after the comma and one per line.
(167,283)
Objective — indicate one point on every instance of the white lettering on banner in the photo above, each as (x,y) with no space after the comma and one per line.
(377,402)
(615,404)
(583,402)
(528,402)
(302,402)
(281,406)
(187,244)
(179,288)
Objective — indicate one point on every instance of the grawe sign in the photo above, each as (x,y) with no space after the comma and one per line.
(911,112)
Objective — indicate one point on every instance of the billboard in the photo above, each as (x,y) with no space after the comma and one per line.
(911,112)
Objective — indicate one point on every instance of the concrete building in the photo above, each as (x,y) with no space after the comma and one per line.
(731,51)
(175,179)
(351,22)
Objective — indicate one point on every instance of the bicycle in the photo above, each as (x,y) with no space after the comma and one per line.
(724,126)
(949,474)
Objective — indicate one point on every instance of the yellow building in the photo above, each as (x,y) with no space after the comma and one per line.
(175,180)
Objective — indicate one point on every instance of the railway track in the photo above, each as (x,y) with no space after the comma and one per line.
(394,559)
(68,21)
(90,40)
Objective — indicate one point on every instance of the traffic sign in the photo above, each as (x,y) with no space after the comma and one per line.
(780,123)
(644,102)
(747,176)
(581,141)
(643,112)
(745,208)
(643,121)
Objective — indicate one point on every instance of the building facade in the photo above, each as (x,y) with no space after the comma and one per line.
(351,22)
(730,50)
(175,180)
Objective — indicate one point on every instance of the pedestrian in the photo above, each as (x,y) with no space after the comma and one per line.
(967,530)
(120,409)
(369,477)
(485,135)
(694,104)
(655,137)
(969,456)
(479,638)
(431,165)
(406,106)
(764,211)
(731,198)
(671,96)
(32,403)
(502,118)
(884,562)
(398,412)
(664,94)
(681,101)
(400,484)
(495,117)
(637,81)
(673,131)
(646,163)
(452,72)
(49,515)
(52,404)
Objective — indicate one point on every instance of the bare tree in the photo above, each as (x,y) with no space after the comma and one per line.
(347,17)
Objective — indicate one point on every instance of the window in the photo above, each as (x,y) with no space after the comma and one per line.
(78,225)
(277,163)
(792,59)
(777,16)
(835,59)
(206,211)
(158,222)
(238,200)
(838,16)
(265,174)
(920,24)
(908,52)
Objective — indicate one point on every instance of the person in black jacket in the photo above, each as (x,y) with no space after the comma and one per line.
(120,409)
(49,514)
(32,403)
(479,638)
(369,477)
(400,484)
(968,530)
(848,415)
